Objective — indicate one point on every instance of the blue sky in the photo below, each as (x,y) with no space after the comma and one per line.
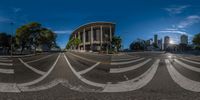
(134,18)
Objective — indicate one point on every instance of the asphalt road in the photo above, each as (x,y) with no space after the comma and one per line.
(89,76)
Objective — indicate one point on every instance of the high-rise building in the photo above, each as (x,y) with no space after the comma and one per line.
(184,39)
(160,44)
(166,42)
(156,39)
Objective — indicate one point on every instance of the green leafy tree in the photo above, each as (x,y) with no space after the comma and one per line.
(196,41)
(77,42)
(33,35)
(139,44)
(116,42)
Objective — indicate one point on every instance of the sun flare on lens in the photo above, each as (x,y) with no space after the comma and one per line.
(171,42)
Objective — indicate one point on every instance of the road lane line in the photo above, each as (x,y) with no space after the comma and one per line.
(7,71)
(9,87)
(194,62)
(83,58)
(2,58)
(54,83)
(187,66)
(136,83)
(124,86)
(88,69)
(123,59)
(181,80)
(32,68)
(42,87)
(39,59)
(121,70)
(6,64)
(81,78)
(5,60)
(127,62)
(42,77)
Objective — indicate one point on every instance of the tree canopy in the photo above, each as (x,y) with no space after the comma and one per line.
(33,35)
(116,42)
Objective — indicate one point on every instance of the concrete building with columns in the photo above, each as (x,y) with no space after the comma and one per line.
(95,36)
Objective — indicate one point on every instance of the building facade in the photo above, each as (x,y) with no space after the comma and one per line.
(166,42)
(95,36)
(184,39)
(156,39)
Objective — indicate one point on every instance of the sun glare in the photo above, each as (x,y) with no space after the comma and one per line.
(171,42)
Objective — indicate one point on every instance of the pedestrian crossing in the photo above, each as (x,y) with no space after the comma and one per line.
(6,65)
(127,73)
(185,71)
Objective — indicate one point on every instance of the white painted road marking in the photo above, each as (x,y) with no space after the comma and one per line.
(2,58)
(40,59)
(88,69)
(136,83)
(181,80)
(9,87)
(124,86)
(127,62)
(5,60)
(125,69)
(7,71)
(123,59)
(83,58)
(194,62)
(41,78)
(81,78)
(187,66)
(6,64)
(32,68)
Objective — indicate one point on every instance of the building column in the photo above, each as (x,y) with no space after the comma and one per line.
(92,38)
(110,45)
(84,39)
(110,33)
(79,39)
(101,36)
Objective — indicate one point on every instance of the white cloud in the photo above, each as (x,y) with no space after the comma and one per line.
(173,31)
(63,32)
(16,10)
(176,9)
(189,21)
(3,19)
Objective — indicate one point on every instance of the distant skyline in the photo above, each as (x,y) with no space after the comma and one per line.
(134,18)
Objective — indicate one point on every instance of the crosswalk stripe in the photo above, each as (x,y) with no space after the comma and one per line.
(7,71)
(82,58)
(32,68)
(5,60)
(187,66)
(181,80)
(89,69)
(124,59)
(40,59)
(127,62)
(41,78)
(121,70)
(136,83)
(194,62)
(6,64)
